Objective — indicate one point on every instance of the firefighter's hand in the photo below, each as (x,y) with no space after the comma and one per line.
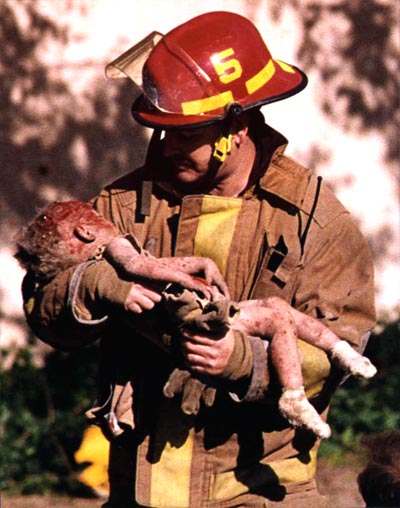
(207,354)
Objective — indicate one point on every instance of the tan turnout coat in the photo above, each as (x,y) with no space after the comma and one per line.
(286,236)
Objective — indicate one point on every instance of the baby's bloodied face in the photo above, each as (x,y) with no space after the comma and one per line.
(64,234)
(78,226)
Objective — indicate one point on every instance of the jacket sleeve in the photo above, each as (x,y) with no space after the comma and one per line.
(336,286)
(72,309)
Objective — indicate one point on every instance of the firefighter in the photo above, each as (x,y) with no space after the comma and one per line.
(216,183)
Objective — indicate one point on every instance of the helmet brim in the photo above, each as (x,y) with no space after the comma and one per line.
(283,85)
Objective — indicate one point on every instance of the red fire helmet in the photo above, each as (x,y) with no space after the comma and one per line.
(195,73)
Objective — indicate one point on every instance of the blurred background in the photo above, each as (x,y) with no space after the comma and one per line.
(66,131)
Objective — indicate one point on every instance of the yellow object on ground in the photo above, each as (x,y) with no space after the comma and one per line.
(94,449)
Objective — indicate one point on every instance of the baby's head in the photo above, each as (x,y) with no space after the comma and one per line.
(63,234)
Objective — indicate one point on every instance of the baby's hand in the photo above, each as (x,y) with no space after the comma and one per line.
(140,298)
(214,276)
(198,284)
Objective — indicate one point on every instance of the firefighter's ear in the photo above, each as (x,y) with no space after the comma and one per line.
(239,136)
(84,233)
(239,129)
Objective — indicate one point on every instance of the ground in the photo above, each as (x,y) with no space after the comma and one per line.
(339,483)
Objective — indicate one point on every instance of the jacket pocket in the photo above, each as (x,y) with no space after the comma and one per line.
(278,272)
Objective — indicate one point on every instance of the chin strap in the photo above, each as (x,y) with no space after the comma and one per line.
(222,147)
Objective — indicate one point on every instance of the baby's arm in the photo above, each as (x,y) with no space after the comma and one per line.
(194,265)
(131,263)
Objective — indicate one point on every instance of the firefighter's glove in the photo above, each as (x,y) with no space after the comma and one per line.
(186,308)
(194,391)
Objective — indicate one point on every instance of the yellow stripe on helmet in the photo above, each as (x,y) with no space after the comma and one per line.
(261,78)
(208,104)
(197,107)
(284,66)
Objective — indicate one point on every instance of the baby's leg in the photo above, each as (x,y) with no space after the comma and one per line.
(259,319)
(271,322)
(299,412)
(352,362)
(313,332)
(285,357)
(317,334)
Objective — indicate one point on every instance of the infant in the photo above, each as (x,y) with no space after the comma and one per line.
(68,233)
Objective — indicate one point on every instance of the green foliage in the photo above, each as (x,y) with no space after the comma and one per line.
(41,420)
(365,407)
